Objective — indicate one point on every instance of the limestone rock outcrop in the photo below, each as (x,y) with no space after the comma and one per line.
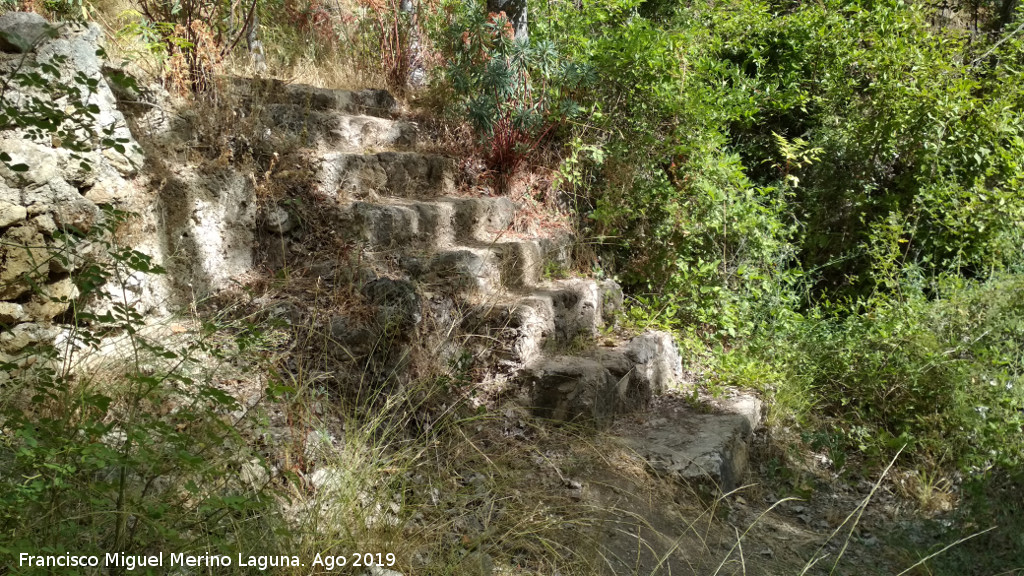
(53,185)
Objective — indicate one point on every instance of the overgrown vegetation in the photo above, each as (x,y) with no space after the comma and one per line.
(828,195)
(116,438)
(823,199)
(513,93)
(127,455)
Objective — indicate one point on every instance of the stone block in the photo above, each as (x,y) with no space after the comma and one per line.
(570,388)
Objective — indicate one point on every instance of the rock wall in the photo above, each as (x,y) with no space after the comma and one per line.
(51,189)
(56,179)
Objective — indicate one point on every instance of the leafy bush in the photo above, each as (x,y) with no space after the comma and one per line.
(389,39)
(903,124)
(513,93)
(677,215)
(195,36)
(941,375)
(828,192)
(54,110)
(109,440)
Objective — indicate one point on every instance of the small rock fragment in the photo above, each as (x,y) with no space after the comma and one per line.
(11,313)
(399,303)
(277,220)
(24,255)
(25,335)
(44,224)
(11,213)
(54,299)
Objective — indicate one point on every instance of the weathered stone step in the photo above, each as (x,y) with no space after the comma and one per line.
(472,265)
(572,388)
(431,224)
(338,130)
(349,176)
(560,315)
(650,363)
(524,262)
(340,119)
(256,92)
(602,383)
(371,101)
(510,330)
(462,269)
(707,446)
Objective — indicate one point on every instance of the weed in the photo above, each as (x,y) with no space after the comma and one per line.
(554,270)
(117,442)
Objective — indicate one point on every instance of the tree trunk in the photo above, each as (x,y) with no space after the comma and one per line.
(252,41)
(515,10)
(417,74)
(1006,11)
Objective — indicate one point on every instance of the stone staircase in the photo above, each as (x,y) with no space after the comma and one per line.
(546,338)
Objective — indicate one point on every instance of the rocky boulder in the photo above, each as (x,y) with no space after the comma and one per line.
(21,31)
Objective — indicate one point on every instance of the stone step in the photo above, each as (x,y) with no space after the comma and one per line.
(480,267)
(339,119)
(348,176)
(463,270)
(577,307)
(706,447)
(517,328)
(257,92)
(598,385)
(338,130)
(648,364)
(370,101)
(571,389)
(430,224)
(509,330)
(525,262)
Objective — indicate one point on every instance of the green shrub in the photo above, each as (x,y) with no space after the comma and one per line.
(513,93)
(941,375)
(671,204)
(825,192)
(111,441)
(903,123)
